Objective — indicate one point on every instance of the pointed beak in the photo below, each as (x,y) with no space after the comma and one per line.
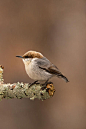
(19,56)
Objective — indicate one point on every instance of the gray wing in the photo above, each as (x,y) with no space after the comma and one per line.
(46,65)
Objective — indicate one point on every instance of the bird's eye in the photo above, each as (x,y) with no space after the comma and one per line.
(26,57)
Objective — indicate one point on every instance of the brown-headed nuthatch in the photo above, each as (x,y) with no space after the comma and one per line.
(39,68)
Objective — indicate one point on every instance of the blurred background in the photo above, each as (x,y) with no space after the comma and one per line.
(57,29)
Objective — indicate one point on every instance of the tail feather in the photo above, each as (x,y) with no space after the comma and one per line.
(62,76)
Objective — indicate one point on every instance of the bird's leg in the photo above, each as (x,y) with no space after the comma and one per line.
(44,85)
(35,82)
(46,82)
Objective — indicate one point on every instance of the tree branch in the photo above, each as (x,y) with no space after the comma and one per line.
(22,90)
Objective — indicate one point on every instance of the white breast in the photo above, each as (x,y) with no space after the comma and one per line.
(35,73)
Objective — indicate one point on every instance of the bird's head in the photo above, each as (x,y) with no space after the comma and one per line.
(28,56)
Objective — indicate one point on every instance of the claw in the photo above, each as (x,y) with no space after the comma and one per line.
(33,83)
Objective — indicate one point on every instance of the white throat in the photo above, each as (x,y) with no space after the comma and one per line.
(27,61)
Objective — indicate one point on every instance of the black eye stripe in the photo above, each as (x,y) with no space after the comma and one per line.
(26,56)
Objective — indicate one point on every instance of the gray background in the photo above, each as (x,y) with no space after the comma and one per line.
(57,29)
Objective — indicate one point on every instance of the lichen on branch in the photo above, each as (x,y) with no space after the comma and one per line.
(22,90)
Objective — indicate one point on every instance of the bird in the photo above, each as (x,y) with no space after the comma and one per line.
(39,68)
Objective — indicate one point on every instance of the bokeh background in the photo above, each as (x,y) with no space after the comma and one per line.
(57,29)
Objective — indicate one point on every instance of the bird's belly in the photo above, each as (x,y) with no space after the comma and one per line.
(38,74)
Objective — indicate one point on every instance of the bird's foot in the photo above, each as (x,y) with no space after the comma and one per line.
(45,83)
(44,86)
(33,83)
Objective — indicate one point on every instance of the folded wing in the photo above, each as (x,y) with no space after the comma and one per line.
(46,65)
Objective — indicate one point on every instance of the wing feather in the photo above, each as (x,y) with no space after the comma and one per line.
(46,65)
